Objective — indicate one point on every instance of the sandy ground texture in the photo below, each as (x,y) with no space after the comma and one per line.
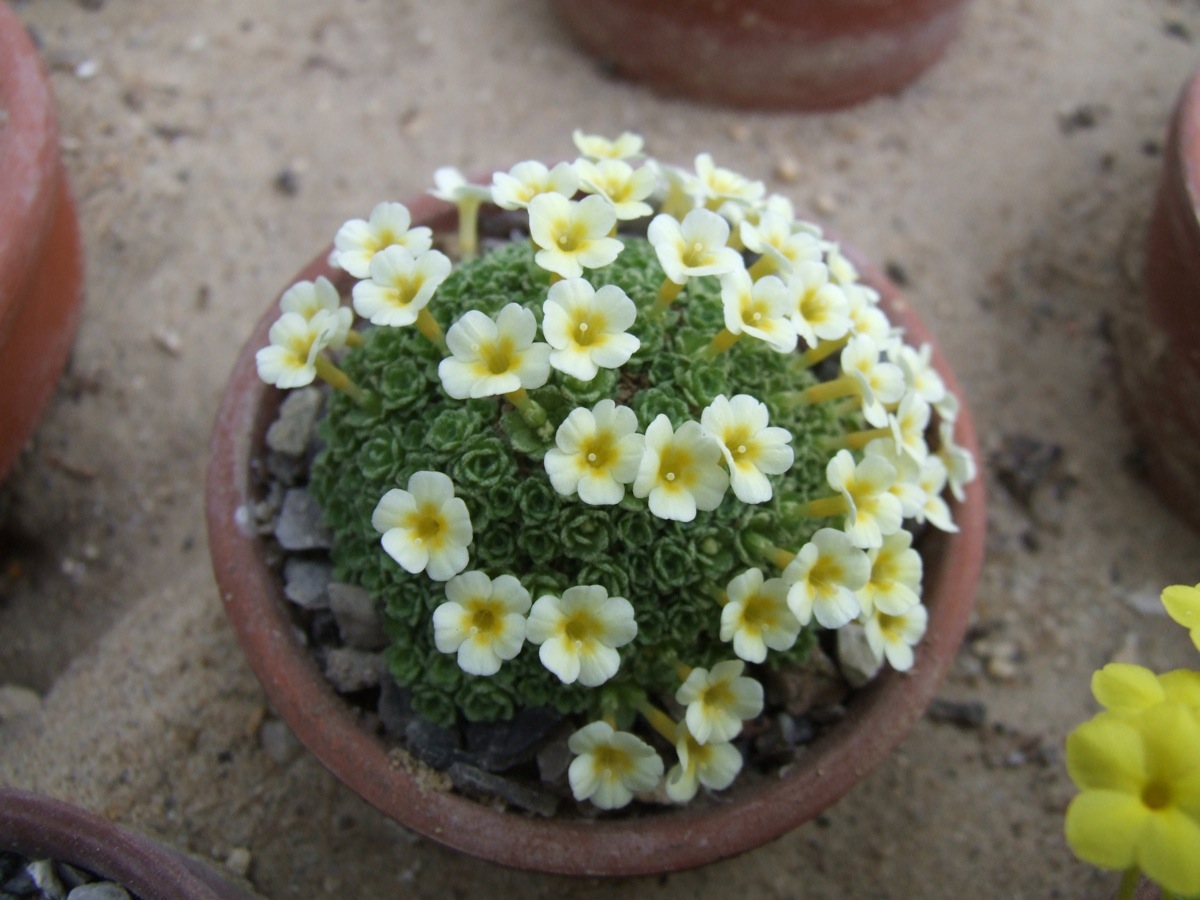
(216,146)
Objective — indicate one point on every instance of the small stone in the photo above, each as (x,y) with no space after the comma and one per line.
(278,742)
(433,745)
(17,701)
(87,70)
(291,432)
(306,582)
(1147,601)
(782,736)
(554,758)
(238,861)
(815,684)
(287,182)
(168,341)
(499,746)
(99,890)
(395,706)
(357,619)
(825,204)
(471,780)
(43,875)
(353,670)
(300,526)
(71,876)
(964,714)
(787,169)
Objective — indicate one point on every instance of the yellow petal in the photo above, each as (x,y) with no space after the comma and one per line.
(1120,686)
(1105,827)
(1167,851)
(1106,753)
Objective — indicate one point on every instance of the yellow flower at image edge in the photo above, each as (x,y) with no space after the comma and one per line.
(425,528)
(1139,777)
(1183,605)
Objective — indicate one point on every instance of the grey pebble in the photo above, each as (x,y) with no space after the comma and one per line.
(480,783)
(99,890)
(278,742)
(353,670)
(554,758)
(306,582)
(300,526)
(357,619)
(290,433)
(433,745)
(43,874)
(499,746)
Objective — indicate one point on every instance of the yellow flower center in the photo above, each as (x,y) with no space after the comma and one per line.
(695,255)
(599,451)
(756,612)
(674,464)
(718,695)
(737,440)
(426,524)
(611,760)
(498,356)
(484,618)
(581,628)
(1156,795)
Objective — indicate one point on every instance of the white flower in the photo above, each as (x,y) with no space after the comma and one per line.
(908,424)
(872,509)
(289,361)
(482,620)
(753,449)
(610,765)
(425,528)
(894,636)
(840,268)
(310,297)
(713,185)
(895,582)
(680,471)
(515,188)
(760,309)
(714,765)
(879,383)
(919,372)
(907,487)
(757,617)
(821,311)
(580,632)
(625,187)
(866,318)
(588,328)
(597,453)
(824,579)
(718,700)
(958,462)
(493,357)
(627,146)
(932,482)
(400,286)
(695,246)
(572,235)
(774,237)
(452,186)
(357,241)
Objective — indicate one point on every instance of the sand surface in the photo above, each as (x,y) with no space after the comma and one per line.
(216,146)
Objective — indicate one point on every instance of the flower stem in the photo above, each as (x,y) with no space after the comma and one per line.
(824,507)
(845,386)
(764,265)
(779,557)
(339,380)
(667,294)
(659,720)
(529,409)
(856,440)
(468,228)
(353,339)
(821,352)
(722,342)
(1129,882)
(431,330)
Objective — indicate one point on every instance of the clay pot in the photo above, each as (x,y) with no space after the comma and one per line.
(42,828)
(41,263)
(747,816)
(1160,351)
(766,54)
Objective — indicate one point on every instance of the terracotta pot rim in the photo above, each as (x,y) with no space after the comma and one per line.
(661,842)
(40,827)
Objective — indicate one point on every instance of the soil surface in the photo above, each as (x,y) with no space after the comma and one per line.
(216,146)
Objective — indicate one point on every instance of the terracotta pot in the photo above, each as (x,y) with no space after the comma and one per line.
(766,54)
(42,828)
(1160,351)
(747,817)
(41,263)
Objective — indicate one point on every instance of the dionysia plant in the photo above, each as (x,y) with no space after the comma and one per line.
(1137,766)
(615,465)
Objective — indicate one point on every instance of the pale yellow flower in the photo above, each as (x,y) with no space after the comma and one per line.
(820,309)
(572,235)
(761,309)
(680,471)
(713,185)
(894,586)
(516,188)
(825,578)
(310,297)
(775,236)
(718,700)
(756,616)
(579,633)
(752,447)
(482,620)
(597,453)
(625,187)
(289,361)
(714,764)
(893,636)
(695,246)
(610,766)
(425,528)
(873,510)
(358,240)
(400,286)
(492,357)
(879,383)
(588,328)
(627,145)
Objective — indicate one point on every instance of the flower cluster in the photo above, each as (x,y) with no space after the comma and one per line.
(1137,766)
(658,459)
